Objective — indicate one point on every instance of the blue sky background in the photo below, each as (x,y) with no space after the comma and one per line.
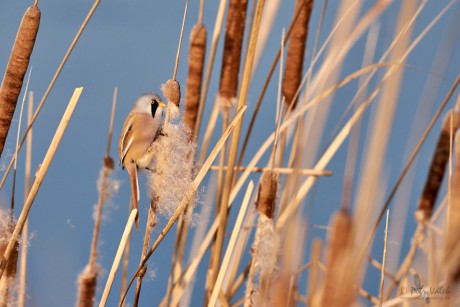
(132,45)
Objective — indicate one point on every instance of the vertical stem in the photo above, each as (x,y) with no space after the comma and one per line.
(382,271)
(25,231)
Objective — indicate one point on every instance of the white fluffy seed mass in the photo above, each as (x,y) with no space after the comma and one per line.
(172,169)
(266,246)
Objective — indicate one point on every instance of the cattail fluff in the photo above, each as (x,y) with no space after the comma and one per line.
(172,168)
(16,69)
(8,280)
(171,90)
(231,58)
(296,52)
(451,254)
(437,167)
(266,242)
(196,58)
(337,290)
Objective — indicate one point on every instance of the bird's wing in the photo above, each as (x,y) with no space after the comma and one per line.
(126,138)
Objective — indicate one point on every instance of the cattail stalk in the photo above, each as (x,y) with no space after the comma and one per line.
(296,53)
(39,179)
(151,223)
(124,269)
(25,231)
(196,58)
(16,69)
(384,259)
(116,261)
(438,166)
(88,278)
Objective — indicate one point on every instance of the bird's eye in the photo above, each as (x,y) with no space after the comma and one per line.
(153,101)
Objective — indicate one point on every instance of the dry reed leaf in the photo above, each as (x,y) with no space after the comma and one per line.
(338,286)
(267,193)
(451,255)
(196,58)
(234,33)
(437,167)
(296,52)
(16,69)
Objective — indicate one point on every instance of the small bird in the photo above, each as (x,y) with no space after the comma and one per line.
(141,128)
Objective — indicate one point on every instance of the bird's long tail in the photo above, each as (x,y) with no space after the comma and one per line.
(132,172)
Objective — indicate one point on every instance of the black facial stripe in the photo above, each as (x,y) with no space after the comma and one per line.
(154,107)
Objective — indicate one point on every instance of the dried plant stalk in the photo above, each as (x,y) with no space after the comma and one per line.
(338,288)
(437,167)
(151,223)
(195,75)
(267,193)
(234,33)
(451,255)
(25,231)
(296,52)
(16,69)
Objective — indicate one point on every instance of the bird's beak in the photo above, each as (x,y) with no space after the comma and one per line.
(161,104)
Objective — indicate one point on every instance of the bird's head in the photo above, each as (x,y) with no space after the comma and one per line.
(150,103)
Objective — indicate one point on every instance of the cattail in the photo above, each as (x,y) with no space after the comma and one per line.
(338,285)
(267,193)
(171,90)
(266,242)
(314,271)
(437,167)
(296,52)
(16,69)
(87,282)
(234,34)
(451,255)
(195,75)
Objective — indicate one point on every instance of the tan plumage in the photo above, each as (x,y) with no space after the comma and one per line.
(142,126)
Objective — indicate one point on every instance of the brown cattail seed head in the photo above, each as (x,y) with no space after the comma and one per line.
(437,167)
(87,288)
(171,90)
(296,52)
(16,69)
(340,241)
(196,58)
(266,198)
(234,34)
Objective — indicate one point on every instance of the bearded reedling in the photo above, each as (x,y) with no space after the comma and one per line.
(142,127)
